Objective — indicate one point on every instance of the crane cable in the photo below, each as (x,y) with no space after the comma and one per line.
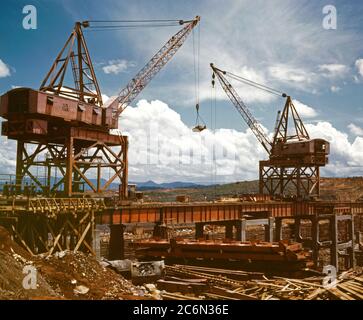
(255,84)
(199,122)
(107,25)
(213,102)
(213,116)
(112,28)
(136,21)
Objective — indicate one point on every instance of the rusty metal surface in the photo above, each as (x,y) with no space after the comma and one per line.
(206,212)
(181,213)
(72,152)
(29,129)
(23,101)
(217,249)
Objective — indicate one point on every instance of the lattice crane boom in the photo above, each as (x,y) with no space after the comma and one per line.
(74,52)
(281,130)
(156,63)
(86,87)
(253,124)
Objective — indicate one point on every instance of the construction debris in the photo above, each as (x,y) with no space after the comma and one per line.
(81,290)
(291,254)
(173,284)
(154,292)
(81,276)
(219,284)
(147,269)
(69,275)
(119,266)
(64,275)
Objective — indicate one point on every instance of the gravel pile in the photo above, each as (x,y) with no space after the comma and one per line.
(64,275)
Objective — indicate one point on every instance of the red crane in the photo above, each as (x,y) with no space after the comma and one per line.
(294,158)
(86,88)
(68,126)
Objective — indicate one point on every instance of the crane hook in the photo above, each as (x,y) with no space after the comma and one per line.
(198,126)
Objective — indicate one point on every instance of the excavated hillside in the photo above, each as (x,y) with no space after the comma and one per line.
(342,189)
(64,275)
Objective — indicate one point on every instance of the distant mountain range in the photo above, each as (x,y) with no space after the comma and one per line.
(147,185)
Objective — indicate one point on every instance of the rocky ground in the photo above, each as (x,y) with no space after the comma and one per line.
(64,275)
(77,276)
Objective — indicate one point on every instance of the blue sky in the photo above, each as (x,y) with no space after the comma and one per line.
(281,43)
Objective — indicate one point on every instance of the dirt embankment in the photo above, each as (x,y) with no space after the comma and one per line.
(64,275)
(342,189)
(13,258)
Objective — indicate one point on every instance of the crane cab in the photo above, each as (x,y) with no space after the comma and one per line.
(36,110)
(308,152)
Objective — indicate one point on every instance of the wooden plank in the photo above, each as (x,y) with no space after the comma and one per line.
(53,234)
(355,285)
(360,279)
(21,240)
(78,234)
(315,294)
(181,286)
(345,287)
(80,241)
(56,240)
(231,294)
(339,294)
(302,282)
(219,297)
(176,296)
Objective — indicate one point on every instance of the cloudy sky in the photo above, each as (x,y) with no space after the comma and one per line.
(281,43)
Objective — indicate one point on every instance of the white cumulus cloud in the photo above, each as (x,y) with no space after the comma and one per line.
(303,110)
(246,92)
(346,158)
(335,89)
(288,73)
(333,70)
(163,148)
(359,65)
(4,70)
(117,66)
(358,131)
